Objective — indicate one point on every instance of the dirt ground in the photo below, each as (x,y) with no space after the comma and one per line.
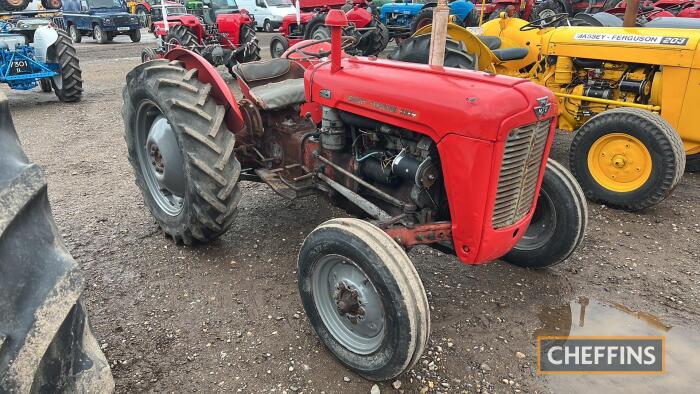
(227,317)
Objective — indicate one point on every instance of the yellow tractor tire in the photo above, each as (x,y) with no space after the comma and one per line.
(627,158)
(692,163)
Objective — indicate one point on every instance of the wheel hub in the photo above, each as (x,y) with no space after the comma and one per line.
(156,158)
(619,162)
(348,302)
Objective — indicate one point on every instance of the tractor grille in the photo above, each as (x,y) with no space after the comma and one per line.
(519,172)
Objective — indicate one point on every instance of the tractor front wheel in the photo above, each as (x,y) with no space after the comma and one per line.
(363,298)
(181,151)
(14,5)
(558,223)
(278,44)
(148,54)
(627,158)
(68,84)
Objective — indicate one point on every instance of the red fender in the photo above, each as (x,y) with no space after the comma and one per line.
(360,17)
(206,73)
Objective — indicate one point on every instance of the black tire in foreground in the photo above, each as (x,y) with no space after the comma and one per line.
(627,158)
(558,224)
(181,151)
(46,344)
(278,44)
(68,84)
(692,163)
(363,298)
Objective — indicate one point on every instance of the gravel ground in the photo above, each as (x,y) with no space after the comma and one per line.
(227,317)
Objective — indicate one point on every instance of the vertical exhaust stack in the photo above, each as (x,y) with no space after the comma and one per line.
(336,20)
(631,13)
(439,36)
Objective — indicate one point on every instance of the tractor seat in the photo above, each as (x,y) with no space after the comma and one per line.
(491,42)
(275,95)
(258,71)
(506,54)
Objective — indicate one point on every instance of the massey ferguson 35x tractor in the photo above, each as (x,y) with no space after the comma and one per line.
(224,35)
(458,167)
(371,35)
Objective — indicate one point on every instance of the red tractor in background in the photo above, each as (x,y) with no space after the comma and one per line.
(648,10)
(492,9)
(371,35)
(150,11)
(462,166)
(224,35)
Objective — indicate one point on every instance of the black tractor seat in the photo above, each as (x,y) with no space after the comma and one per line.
(491,42)
(506,54)
(273,84)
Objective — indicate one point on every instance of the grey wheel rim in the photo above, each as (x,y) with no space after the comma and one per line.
(321,33)
(277,49)
(348,304)
(542,226)
(546,16)
(160,159)
(98,34)
(73,33)
(142,17)
(267,26)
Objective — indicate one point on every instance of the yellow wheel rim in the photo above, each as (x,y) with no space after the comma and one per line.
(619,162)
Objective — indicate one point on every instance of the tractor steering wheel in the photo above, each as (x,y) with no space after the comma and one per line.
(544,22)
(346,42)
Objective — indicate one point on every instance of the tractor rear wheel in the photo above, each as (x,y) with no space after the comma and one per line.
(278,44)
(250,42)
(424,18)
(68,84)
(558,224)
(692,163)
(417,50)
(46,342)
(181,151)
(14,5)
(182,36)
(51,4)
(546,11)
(627,158)
(363,298)
(473,19)
(379,38)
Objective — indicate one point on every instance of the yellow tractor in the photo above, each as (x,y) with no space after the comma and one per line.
(630,95)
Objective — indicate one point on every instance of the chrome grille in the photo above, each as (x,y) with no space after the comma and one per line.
(517,181)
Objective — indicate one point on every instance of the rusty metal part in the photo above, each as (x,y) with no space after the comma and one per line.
(384,196)
(423,234)
(371,209)
(348,302)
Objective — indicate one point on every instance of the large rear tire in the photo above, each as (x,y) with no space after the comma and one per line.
(558,224)
(363,298)
(46,344)
(250,42)
(417,50)
(182,36)
(627,158)
(378,38)
(181,151)
(68,84)
(424,18)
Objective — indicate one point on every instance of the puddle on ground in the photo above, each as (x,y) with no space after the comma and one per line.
(588,317)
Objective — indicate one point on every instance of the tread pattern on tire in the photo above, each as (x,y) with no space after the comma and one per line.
(6,6)
(247,36)
(582,205)
(672,153)
(204,138)
(423,14)
(406,276)
(69,67)
(692,162)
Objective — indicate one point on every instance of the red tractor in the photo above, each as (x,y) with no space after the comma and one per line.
(224,35)
(493,8)
(371,35)
(150,11)
(459,162)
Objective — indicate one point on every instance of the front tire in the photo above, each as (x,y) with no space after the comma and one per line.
(99,34)
(267,26)
(68,84)
(558,224)
(135,35)
(278,45)
(181,151)
(627,158)
(363,298)
(75,34)
(148,54)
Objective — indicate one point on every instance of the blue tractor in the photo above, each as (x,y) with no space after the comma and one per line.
(33,52)
(403,18)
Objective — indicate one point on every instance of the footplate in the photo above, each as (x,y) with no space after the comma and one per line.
(290,188)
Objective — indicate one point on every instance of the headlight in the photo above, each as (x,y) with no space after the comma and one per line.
(134,19)
(108,21)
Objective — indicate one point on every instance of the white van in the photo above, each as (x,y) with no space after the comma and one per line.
(268,14)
